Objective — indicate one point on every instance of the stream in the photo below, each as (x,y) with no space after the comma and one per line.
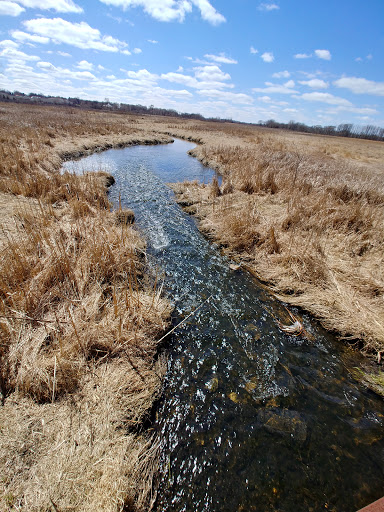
(251,419)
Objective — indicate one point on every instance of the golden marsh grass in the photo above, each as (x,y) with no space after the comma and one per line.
(78,325)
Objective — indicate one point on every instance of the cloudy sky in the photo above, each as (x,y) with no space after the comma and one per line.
(316,61)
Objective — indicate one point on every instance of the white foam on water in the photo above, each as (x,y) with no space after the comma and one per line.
(158,237)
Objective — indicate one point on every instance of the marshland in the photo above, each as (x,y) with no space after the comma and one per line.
(83,309)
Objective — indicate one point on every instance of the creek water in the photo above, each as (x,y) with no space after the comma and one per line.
(251,419)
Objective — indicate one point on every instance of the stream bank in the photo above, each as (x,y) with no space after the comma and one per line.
(251,418)
(317,244)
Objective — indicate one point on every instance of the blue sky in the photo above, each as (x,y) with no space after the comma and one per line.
(312,61)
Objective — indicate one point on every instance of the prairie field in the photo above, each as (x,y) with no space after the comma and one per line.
(303,213)
(80,318)
(79,322)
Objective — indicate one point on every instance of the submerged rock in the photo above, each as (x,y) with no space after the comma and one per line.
(212,385)
(283,422)
(234,397)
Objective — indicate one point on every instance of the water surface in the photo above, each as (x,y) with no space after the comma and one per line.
(251,419)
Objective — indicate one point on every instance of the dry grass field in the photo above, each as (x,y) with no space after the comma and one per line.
(303,213)
(78,327)
(79,365)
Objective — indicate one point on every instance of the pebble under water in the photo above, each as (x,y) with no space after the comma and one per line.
(251,419)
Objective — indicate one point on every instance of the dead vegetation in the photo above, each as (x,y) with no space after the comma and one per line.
(79,324)
(308,222)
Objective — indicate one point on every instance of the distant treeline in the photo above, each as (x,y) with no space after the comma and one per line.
(41,99)
(342,130)
(369,131)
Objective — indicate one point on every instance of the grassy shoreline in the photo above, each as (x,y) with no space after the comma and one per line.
(79,326)
(303,214)
(80,363)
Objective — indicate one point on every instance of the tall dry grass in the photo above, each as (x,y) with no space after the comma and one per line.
(79,323)
(310,225)
(34,141)
(78,363)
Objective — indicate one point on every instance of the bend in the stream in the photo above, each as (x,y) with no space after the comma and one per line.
(251,419)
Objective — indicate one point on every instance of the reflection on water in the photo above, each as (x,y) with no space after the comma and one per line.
(252,419)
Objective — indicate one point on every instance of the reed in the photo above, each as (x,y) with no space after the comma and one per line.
(79,324)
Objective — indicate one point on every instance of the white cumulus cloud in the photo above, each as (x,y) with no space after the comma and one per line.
(302,56)
(233,97)
(23,37)
(84,64)
(65,73)
(268,7)
(282,74)
(209,77)
(80,34)
(315,83)
(171,10)
(352,109)
(323,54)
(143,75)
(265,99)
(360,85)
(287,88)
(221,58)
(180,78)
(7,43)
(208,12)
(10,8)
(211,74)
(161,10)
(57,5)
(253,50)
(268,57)
(15,55)
(326,97)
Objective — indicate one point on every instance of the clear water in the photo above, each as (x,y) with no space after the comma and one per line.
(251,419)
